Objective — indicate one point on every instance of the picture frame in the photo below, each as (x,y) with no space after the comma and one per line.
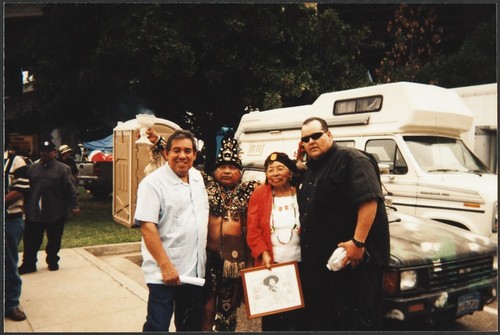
(272,291)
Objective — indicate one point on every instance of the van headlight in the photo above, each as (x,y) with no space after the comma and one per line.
(408,280)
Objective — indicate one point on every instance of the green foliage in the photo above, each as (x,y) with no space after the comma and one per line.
(334,51)
(203,65)
(60,49)
(472,64)
(418,52)
(140,54)
(415,38)
(106,61)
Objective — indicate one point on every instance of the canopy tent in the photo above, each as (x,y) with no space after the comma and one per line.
(104,145)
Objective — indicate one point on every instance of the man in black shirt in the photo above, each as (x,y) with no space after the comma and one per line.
(341,205)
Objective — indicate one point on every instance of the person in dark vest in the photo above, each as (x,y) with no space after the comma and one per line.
(52,195)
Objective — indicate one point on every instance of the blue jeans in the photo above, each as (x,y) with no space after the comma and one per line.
(13,232)
(188,307)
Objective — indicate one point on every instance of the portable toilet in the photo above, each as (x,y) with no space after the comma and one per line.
(129,162)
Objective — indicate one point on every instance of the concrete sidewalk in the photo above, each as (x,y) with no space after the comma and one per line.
(96,289)
(87,293)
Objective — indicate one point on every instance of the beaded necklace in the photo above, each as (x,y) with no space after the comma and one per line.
(235,200)
(295,227)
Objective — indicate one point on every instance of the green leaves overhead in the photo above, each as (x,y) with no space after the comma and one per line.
(203,65)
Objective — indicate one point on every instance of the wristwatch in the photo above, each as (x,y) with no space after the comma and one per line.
(357,243)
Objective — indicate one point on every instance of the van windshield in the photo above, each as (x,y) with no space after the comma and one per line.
(443,154)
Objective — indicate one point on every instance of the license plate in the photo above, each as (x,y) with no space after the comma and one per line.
(468,303)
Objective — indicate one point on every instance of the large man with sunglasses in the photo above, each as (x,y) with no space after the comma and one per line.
(341,205)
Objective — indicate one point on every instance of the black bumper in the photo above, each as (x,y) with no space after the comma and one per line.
(425,307)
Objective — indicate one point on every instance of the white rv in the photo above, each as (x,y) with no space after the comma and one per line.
(414,129)
(482,136)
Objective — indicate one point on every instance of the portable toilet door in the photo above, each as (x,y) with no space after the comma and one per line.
(129,161)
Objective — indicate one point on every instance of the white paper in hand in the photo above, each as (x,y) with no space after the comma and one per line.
(189,280)
(192,280)
(336,259)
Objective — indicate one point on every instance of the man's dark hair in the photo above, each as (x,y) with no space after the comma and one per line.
(324,125)
(179,135)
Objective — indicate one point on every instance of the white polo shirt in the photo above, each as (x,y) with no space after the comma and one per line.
(180,211)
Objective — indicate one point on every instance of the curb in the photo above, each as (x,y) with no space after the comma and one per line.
(125,281)
(113,249)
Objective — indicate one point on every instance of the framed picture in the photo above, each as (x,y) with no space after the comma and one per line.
(272,291)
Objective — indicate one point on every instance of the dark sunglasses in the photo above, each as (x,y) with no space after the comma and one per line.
(314,136)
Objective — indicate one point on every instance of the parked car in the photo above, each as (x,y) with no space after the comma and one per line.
(96,174)
(437,273)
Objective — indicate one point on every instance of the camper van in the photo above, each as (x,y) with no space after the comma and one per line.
(413,130)
(482,100)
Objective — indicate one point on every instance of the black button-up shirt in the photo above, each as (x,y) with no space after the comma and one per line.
(332,189)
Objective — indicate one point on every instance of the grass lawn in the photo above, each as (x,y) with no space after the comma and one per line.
(94,225)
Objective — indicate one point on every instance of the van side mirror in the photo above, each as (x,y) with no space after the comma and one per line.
(384,168)
(388,200)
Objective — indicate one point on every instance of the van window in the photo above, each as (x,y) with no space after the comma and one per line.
(442,154)
(249,174)
(387,152)
(358,105)
(347,144)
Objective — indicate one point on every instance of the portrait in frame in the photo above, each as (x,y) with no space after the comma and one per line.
(272,291)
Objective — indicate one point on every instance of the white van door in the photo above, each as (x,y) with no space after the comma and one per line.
(401,183)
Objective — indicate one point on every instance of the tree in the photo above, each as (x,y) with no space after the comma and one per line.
(246,57)
(448,45)
(96,64)
(334,49)
(99,64)
(415,38)
(60,46)
(473,64)
(264,57)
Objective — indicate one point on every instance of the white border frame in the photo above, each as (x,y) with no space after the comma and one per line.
(261,300)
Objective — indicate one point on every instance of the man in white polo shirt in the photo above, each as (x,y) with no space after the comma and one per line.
(172,212)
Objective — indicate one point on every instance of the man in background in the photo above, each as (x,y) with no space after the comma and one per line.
(16,186)
(65,157)
(52,194)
